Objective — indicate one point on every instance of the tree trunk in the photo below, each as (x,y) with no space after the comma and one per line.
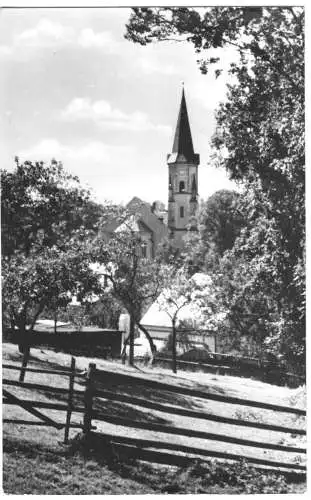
(55,321)
(123,353)
(132,334)
(149,338)
(174,361)
(24,348)
(24,364)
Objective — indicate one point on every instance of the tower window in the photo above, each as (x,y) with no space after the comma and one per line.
(182,186)
(181,212)
(144,250)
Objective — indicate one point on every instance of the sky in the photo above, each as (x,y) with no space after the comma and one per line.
(72,88)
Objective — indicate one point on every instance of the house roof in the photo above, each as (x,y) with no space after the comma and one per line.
(148,218)
(47,326)
(155,316)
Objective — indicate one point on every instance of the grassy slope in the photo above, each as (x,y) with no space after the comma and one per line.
(36,462)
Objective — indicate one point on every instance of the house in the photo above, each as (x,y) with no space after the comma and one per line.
(159,326)
(194,329)
(143,220)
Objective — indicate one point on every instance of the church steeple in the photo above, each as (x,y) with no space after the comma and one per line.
(183,146)
(183,178)
(183,140)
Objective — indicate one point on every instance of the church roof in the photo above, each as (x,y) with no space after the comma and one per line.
(183,146)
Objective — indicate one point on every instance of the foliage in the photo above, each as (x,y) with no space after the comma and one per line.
(105,312)
(243,28)
(181,290)
(134,281)
(242,476)
(47,220)
(64,473)
(254,281)
(43,203)
(49,278)
(219,222)
(259,140)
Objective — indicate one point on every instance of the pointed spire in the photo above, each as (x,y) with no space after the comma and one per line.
(183,140)
(183,146)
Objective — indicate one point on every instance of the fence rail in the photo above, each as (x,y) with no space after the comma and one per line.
(108,385)
(115,379)
(195,414)
(105,385)
(233,365)
(30,406)
(64,372)
(140,444)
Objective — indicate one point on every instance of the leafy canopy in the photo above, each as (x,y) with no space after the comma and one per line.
(43,204)
(259,140)
(47,219)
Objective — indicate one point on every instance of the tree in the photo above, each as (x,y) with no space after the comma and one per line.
(47,219)
(173,299)
(266,112)
(243,28)
(259,140)
(249,281)
(45,203)
(219,222)
(135,281)
(32,283)
(182,290)
(105,312)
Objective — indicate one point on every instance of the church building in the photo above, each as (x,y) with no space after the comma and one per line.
(153,222)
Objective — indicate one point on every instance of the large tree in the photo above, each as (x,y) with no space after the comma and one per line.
(47,220)
(259,140)
(134,280)
(42,202)
(48,278)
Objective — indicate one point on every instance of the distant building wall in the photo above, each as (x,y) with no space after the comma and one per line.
(185,340)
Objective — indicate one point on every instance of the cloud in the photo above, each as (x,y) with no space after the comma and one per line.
(47,149)
(49,33)
(5,50)
(150,65)
(45,33)
(103,114)
(98,165)
(87,38)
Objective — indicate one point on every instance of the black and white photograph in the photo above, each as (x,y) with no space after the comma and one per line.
(153,248)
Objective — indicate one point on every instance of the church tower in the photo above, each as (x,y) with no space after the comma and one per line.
(182,178)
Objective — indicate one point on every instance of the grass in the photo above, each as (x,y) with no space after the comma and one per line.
(43,470)
(36,462)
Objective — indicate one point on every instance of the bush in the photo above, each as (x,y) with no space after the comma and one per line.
(241,477)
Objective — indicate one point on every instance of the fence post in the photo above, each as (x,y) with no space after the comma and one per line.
(25,360)
(70,399)
(88,399)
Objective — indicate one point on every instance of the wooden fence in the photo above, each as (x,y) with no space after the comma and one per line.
(31,406)
(105,388)
(106,385)
(227,364)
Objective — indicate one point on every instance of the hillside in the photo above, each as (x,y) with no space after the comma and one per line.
(50,466)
